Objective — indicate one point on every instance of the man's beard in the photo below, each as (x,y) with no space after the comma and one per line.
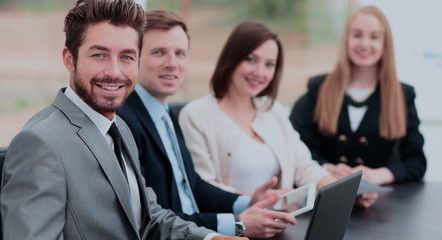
(101,104)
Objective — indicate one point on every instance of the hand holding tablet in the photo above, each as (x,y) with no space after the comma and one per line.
(297,201)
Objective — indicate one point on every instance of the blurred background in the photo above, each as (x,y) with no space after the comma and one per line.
(32,39)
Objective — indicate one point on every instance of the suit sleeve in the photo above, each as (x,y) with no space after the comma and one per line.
(207,220)
(166,225)
(33,195)
(412,164)
(210,199)
(304,121)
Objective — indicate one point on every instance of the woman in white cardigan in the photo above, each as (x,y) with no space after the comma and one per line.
(241,137)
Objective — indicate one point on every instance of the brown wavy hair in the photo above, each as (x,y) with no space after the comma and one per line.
(165,20)
(244,39)
(331,94)
(89,12)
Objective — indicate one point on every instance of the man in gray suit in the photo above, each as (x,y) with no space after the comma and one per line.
(61,177)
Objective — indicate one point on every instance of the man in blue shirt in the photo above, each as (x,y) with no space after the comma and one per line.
(165,160)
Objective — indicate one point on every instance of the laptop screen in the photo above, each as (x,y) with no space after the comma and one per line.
(333,207)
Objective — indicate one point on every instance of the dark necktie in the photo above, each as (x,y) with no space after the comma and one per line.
(135,192)
(116,137)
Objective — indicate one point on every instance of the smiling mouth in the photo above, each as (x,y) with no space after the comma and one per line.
(168,77)
(254,81)
(111,84)
(110,88)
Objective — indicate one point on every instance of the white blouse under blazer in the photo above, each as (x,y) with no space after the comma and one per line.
(212,142)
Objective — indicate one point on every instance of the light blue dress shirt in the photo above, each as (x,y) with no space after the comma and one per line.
(226,222)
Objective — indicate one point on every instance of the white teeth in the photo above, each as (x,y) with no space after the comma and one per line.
(110,88)
(254,82)
(168,77)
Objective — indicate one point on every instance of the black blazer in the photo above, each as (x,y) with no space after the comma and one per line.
(403,157)
(158,173)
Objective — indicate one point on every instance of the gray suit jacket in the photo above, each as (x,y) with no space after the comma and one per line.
(61,180)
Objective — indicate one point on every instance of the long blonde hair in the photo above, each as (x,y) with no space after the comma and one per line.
(392,119)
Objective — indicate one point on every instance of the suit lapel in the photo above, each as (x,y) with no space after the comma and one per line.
(146,120)
(344,118)
(94,140)
(130,147)
(109,163)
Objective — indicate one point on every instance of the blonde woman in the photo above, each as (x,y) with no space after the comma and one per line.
(359,116)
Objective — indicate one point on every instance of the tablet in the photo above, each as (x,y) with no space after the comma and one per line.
(297,201)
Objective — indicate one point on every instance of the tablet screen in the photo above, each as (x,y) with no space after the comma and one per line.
(297,201)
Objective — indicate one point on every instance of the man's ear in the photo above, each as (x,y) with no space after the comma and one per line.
(68,60)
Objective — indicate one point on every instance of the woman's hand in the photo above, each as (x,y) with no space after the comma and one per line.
(376,175)
(366,200)
(339,170)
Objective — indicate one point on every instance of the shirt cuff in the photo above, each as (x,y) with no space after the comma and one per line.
(241,204)
(226,224)
(210,236)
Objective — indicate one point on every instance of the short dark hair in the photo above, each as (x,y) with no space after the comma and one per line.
(89,12)
(164,19)
(244,39)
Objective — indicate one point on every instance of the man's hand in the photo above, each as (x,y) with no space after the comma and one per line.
(339,170)
(222,237)
(262,223)
(265,191)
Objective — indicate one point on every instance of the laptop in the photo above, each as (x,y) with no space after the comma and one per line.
(333,206)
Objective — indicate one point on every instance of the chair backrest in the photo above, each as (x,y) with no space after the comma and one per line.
(2,159)
(176,107)
(296,111)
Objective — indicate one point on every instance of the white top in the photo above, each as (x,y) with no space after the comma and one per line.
(356,114)
(253,164)
(212,143)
